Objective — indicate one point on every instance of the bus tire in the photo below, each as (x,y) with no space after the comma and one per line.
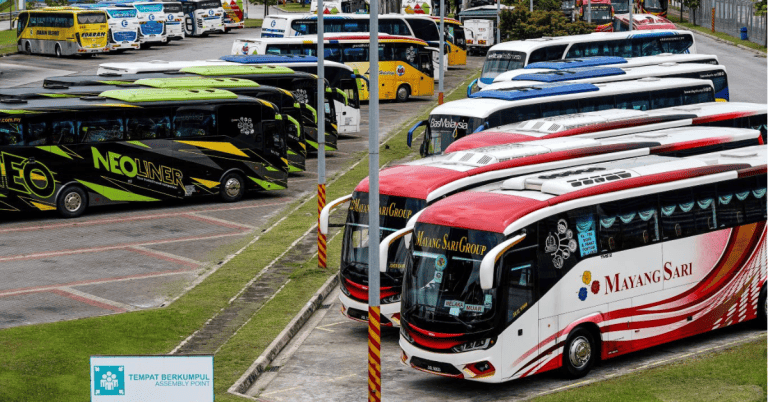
(28,48)
(579,353)
(762,309)
(232,187)
(402,93)
(57,50)
(72,202)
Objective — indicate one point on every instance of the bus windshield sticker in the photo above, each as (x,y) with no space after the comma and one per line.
(586,235)
(438,277)
(488,301)
(440,263)
(474,308)
(454,303)
(560,244)
(454,311)
(245,125)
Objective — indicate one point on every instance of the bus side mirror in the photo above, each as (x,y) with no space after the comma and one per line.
(488,265)
(471,87)
(410,132)
(389,240)
(326,212)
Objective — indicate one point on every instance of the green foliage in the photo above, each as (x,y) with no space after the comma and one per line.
(760,7)
(523,24)
(692,4)
(542,5)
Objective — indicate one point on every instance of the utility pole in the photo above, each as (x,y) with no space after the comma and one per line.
(589,11)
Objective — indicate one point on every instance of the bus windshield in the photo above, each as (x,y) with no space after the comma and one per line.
(208,5)
(446,129)
(172,7)
(91,18)
(500,61)
(601,14)
(424,29)
(620,6)
(652,4)
(442,284)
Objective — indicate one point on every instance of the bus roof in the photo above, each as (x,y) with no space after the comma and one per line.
(236,69)
(570,74)
(578,62)
(154,66)
(500,207)
(527,45)
(360,37)
(606,123)
(447,20)
(164,94)
(264,59)
(196,82)
(433,177)
(647,21)
(535,91)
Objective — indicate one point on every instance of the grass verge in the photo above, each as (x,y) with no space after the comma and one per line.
(63,348)
(253,23)
(737,41)
(8,41)
(294,7)
(735,374)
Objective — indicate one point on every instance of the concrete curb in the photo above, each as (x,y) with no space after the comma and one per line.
(254,371)
(713,37)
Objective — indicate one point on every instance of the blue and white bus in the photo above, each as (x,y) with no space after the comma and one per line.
(202,17)
(174,20)
(151,20)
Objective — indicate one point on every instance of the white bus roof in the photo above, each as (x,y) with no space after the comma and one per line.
(357,36)
(483,107)
(603,74)
(528,45)
(159,66)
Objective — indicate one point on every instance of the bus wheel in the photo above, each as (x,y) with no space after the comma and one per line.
(57,50)
(232,187)
(762,309)
(28,48)
(579,353)
(402,93)
(72,202)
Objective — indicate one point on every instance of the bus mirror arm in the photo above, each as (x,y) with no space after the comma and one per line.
(410,132)
(326,212)
(362,77)
(488,265)
(470,86)
(480,128)
(387,242)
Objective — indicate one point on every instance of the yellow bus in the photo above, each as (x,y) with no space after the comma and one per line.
(455,38)
(405,63)
(62,31)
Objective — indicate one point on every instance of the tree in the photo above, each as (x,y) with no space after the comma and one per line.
(543,5)
(760,7)
(520,23)
(692,5)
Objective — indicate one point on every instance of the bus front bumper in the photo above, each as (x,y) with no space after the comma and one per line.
(479,365)
(358,311)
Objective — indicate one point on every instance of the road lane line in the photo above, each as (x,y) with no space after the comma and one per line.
(279,391)
(86,300)
(166,256)
(219,222)
(97,299)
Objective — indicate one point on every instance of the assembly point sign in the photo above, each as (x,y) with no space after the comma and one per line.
(152,378)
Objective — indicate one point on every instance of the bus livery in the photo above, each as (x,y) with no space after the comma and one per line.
(62,31)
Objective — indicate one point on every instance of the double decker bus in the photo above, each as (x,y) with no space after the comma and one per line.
(594,75)
(640,22)
(601,13)
(487,109)
(655,7)
(405,63)
(405,190)
(340,77)
(302,86)
(123,26)
(456,39)
(284,100)
(137,145)
(62,31)
(513,55)
(201,17)
(174,20)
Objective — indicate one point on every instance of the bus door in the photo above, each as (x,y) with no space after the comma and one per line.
(426,82)
(458,45)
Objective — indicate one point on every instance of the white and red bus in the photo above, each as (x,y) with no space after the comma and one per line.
(405,190)
(641,22)
(560,269)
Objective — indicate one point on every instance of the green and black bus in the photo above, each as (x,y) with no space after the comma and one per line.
(137,145)
(302,85)
(286,103)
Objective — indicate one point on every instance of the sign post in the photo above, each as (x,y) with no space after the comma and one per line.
(321,240)
(374,317)
(713,19)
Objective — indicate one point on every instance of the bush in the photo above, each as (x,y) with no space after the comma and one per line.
(523,24)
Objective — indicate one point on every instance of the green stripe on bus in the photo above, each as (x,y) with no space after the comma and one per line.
(59,95)
(266,185)
(163,94)
(236,70)
(114,194)
(311,109)
(312,144)
(54,150)
(292,168)
(138,143)
(11,111)
(196,82)
(108,82)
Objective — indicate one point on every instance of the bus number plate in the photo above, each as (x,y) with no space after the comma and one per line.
(609,255)
(433,368)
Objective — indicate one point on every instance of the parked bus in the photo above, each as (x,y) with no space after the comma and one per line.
(137,145)
(302,86)
(151,20)
(640,22)
(405,190)
(487,109)
(342,6)
(612,122)
(423,7)
(233,14)
(405,63)
(341,78)
(655,7)
(560,270)
(174,20)
(123,26)
(601,13)
(201,17)
(456,40)
(62,31)
(594,75)
(518,54)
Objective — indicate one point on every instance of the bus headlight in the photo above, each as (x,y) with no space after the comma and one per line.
(404,334)
(474,345)
(391,299)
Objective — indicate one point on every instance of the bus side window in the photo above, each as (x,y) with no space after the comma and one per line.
(63,132)
(633,101)
(754,203)
(704,213)
(610,227)
(547,53)
(677,214)
(97,129)
(698,95)
(668,98)
(639,222)
(245,121)
(37,134)
(148,126)
(558,240)
(519,267)
(21,23)
(11,134)
(677,46)
(595,104)
(332,53)
(193,123)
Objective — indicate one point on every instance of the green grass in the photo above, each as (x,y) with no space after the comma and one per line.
(675,17)
(253,23)
(735,374)
(8,41)
(294,7)
(63,348)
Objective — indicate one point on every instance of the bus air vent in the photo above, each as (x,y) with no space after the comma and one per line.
(571,74)
(484,160)
(554,127)
(163,94)
(573,63)
(536,91)
(467,157)
(232,70)
(739,154)
(583,178)
(537,125)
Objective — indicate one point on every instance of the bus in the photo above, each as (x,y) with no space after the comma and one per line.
(518,54)
(423,7)
(233,14)
(340,77)
(612,122)
(655,7)
(405,190)
(201,17)
(174,20)
(556,271)
(594,75)
(284,100)
(641,22)
(405,63)
(598,61)
(342,6)
(302,86)
(63,31)
(137,145)
(456,39)
(601,13)
(123,26)
(151,20)
(487,109)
